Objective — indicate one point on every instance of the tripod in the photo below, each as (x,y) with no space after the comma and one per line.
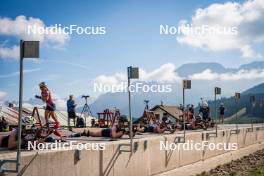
(86,108)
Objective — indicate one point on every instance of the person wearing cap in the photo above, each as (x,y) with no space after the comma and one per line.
(71,110)
(117,131)
(205,111)
(50,105)
(222,112)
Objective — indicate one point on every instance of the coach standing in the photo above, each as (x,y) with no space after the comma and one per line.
(71,111)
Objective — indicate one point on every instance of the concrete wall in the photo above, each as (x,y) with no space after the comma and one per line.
(148,159)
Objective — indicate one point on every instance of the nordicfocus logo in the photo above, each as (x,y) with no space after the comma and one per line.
(136,87)
(66,30)
(189,29)
(71,145)
(191,145)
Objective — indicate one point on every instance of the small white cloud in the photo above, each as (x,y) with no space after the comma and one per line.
(165,73)
(60,102)
(247,52)
(110,80)
(28,105)
(239,75)
(205,75)
(19,27)
(9,53)
(2,95)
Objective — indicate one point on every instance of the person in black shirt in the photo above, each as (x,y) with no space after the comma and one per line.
(222,112)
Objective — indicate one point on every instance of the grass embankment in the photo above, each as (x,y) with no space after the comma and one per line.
(251,165)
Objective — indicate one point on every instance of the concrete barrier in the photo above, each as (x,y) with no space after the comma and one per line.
(191,156)
(146,159)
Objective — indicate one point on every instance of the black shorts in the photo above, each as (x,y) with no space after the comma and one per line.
(149,129)
(4,142)
(50,107)
(107,132)
(71,115)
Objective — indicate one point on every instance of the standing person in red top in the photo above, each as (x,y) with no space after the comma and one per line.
(50,105)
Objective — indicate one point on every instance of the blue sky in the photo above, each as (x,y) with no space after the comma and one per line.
(132,38)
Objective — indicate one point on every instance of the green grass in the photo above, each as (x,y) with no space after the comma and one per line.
(257,172)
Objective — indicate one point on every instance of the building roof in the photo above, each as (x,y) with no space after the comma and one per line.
(11,115)
(173,111)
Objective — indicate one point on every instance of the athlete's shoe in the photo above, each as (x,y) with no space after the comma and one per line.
(57,125)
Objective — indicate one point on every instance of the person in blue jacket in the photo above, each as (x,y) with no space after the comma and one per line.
(71,110)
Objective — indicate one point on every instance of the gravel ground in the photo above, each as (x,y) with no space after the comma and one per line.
(251,165)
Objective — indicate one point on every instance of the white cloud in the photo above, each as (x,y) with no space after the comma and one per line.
(248,52)
(18,27)
(28,105)
(239,75)
(246,18)
(2,95)
(165,73)
(110,80)
(60,102)
(9,53)
(205,75)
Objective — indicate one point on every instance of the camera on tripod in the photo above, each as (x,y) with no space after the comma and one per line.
(85,96)
(86,109)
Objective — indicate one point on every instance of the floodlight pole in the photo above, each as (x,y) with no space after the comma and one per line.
(217,91)
(186,84)
(129,109)
(252,104)
(183,104)
(237,97)
(215,113)
(237,114)
(262,104)
(215,106)
(31,51)
(20,107)
(132,73)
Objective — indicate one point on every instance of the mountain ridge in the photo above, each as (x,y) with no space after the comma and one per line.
(197,67)
(199,89)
